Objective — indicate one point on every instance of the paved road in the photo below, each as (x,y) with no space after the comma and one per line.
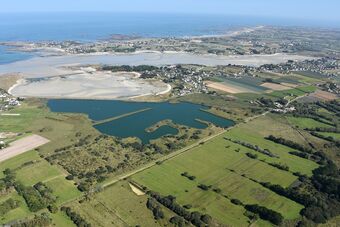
(21,146)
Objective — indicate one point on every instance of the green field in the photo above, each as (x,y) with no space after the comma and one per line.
(212,163)
(18,161)
(209,164)
(255,132)
(252,84)
(292,93)
(223,164)
(63,189)
(117,205)
(31,169)
(331,134)
(37,172)
(18,213)
(60,219)
(303,122)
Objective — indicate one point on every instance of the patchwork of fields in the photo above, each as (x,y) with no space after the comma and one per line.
(30,169)
(229,173)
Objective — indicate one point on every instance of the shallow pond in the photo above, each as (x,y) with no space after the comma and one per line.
(135,125)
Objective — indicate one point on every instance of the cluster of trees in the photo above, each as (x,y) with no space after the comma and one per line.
(196,135)
(42,220)
(311,111)
(327,138)
(265,213)
(332,106)
(290,144)
(299,154)
(326,181)
(177,221)
(152,205)
(279,166)
(127,68)
(148,75)
(266,102)
(196,218)
(37,197)
(319,129)
(204,187)
(7,206)
(33,198)
(253,147)
(322,199)
(76,218)
(187,175)
(250,155)
(47,194)
(291,193)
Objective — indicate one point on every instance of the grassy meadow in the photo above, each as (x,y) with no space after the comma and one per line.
(224,165)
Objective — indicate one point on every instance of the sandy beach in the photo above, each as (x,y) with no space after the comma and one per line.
(98,85)
(57,65)
(69,76)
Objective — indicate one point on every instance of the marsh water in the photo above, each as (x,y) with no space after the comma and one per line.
(135,125)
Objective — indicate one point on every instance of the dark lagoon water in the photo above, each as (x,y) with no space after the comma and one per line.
(183,113)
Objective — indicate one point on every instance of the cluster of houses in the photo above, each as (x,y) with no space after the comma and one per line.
(186,80)
(279,108)
(7,101)
(321,66)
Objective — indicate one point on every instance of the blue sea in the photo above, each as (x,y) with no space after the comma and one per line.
(87,27)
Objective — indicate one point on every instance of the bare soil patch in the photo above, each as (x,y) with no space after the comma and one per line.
(275,87)
(136,190)
(324,95)
(21,146)
(226,88)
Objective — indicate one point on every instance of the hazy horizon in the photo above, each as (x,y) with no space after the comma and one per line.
(288,9)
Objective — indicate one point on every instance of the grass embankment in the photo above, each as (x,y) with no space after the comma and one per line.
(118,117)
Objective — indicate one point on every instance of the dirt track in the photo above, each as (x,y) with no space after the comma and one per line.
(21,146)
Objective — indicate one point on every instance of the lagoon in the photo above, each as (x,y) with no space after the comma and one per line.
(135,125)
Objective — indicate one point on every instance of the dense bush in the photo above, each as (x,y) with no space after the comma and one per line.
(265,213)
(41,220)
(187,175)
(7,206)
(280,166)
(290,144)
(34,200)
(250,155)
(152,205)
(196,218)
(253,147)
(76,218)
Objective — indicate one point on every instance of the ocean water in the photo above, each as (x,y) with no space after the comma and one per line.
(7,55)
(93,26)
(87,27)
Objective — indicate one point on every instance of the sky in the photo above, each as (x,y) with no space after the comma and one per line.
(326,10)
